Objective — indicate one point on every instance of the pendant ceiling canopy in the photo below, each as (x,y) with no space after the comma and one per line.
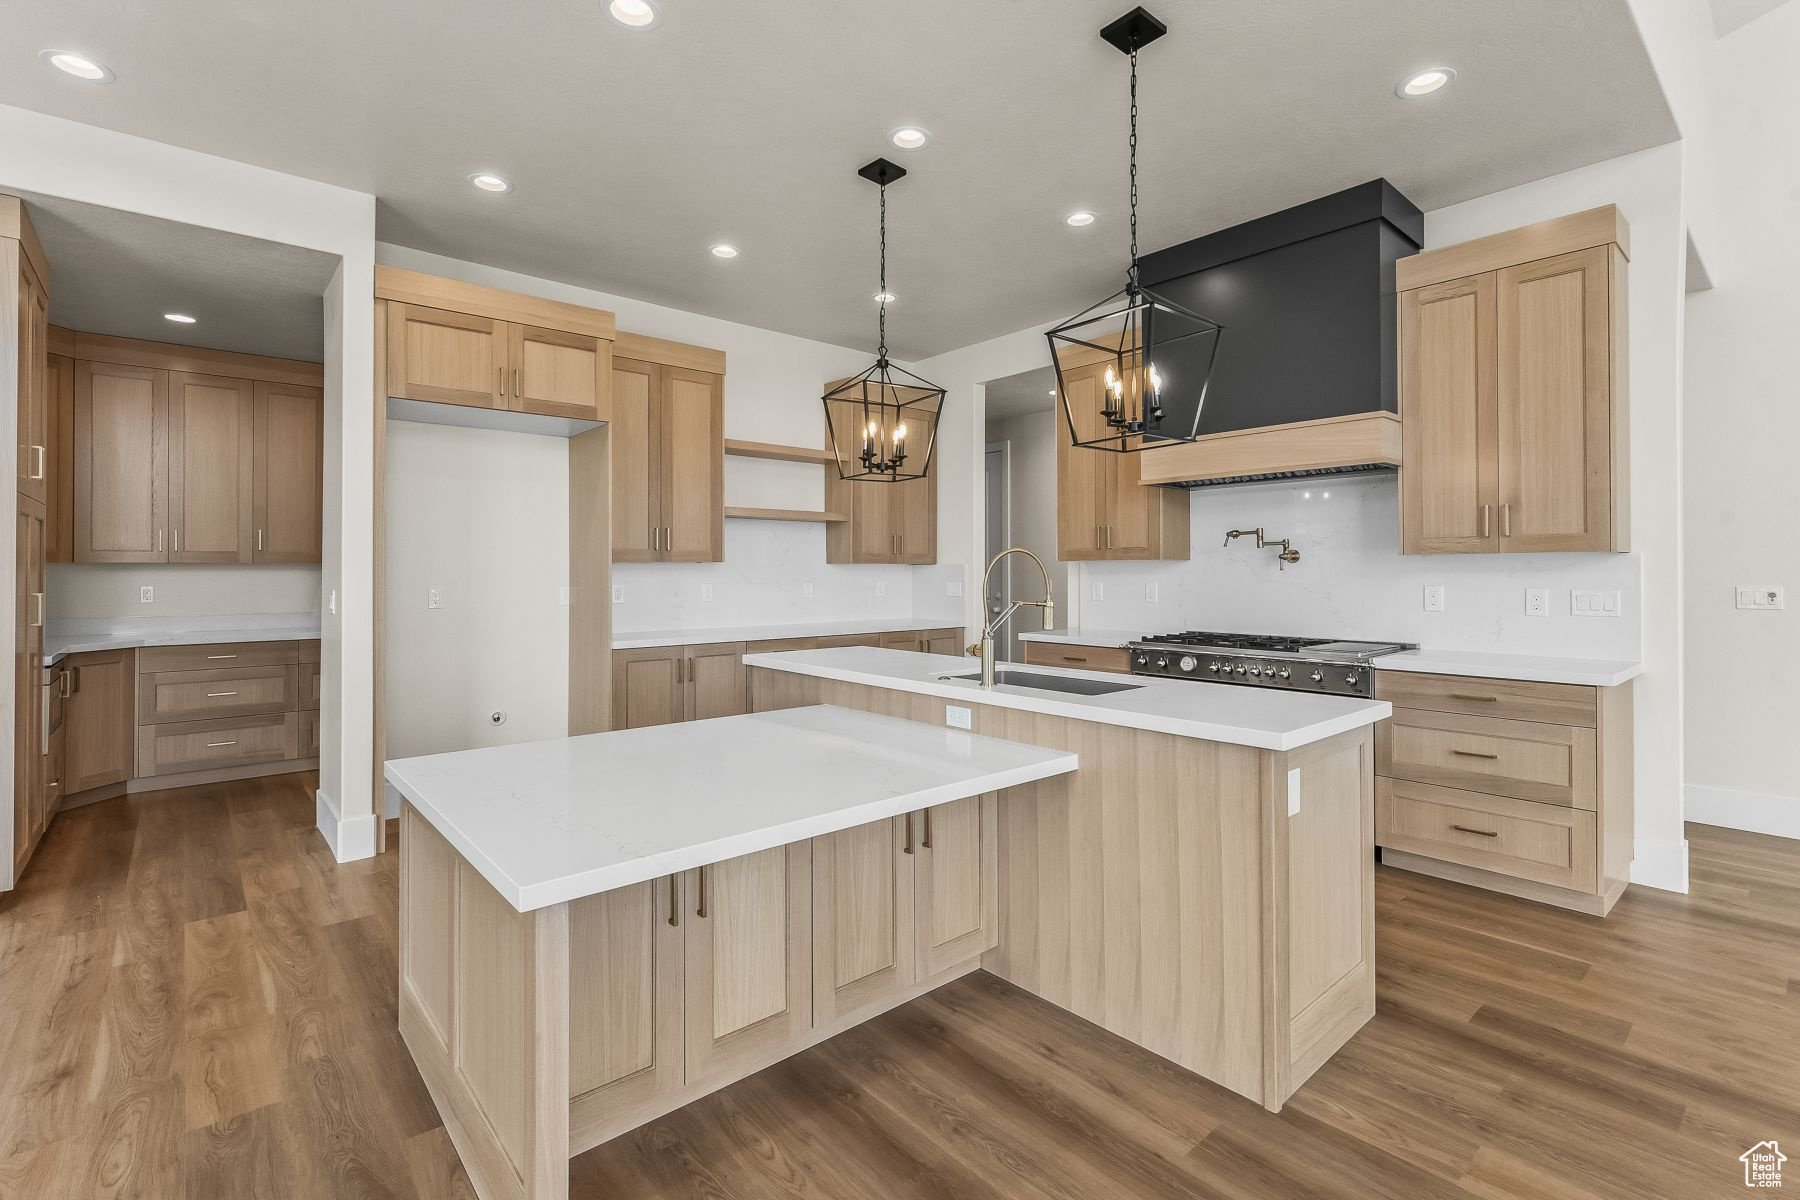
(1132,370)
(883,422)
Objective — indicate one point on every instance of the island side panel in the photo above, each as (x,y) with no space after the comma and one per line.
(484,1010)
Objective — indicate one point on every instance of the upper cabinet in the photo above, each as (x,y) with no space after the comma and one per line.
(1512,384)
(885,522)
(448,342)
(34,393)
(668,452)
(1103,511)
(180,455)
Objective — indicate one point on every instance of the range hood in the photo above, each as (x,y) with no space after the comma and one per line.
(1307,377)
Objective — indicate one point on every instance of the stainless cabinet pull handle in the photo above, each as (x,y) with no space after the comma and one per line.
(500,382)
(175,543)
(259,540)
(1477,832)
(1506,519)
(214,745)
(37,602)
(1477,699)
(159,534)
(63,680)
(213,657)
(674,901)
(1486,510)
(516,391)
(927,842)
(1472,754)
(216,695)
(908,848)
(38,471)
(700,911)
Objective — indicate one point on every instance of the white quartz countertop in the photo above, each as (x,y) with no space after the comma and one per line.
(1215,712)
(545,822)
(62,638)
(642,639)
(1530,668)
(1083,637)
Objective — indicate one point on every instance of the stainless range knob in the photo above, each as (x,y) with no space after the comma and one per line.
(1239,669)
(1255,672)
(1162,662)
(1285,672)
(1318,677)
(1143,660)
(1213,667)
(1188,662)
(1351,679)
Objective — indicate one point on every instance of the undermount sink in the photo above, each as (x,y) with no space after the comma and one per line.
(1052,683)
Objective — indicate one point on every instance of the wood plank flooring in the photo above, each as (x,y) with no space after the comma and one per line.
(196,1001)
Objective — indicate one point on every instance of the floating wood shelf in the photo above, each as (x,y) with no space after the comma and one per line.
(785,514)
(742,449)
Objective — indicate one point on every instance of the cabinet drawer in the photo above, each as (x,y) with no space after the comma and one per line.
(1508,699)
(230,654)
(309,685)
(1554,764)
(231,692)
(1086,658)
(175,747)
(1542,842)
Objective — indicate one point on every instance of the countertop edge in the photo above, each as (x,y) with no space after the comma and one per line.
(1577,672)
(97,643)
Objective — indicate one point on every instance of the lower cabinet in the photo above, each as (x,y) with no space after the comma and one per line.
(1082,658)
(212,708)
(923,641)
(97,705)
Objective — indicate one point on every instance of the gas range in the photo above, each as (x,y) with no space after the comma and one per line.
(1332,666)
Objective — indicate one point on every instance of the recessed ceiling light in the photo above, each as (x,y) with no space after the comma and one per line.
(1079,218)
(489,182)
(80,66)
(909,137)
(635,14)
(724,251)
(884,297)
(1425,82)
(178,318)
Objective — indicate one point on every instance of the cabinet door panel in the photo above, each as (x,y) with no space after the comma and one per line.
(693,483)
(34,397)
(97,733)
(121,463)
(210,417)
(1083,476)
(749,958)
(289,473)
(59,524)
(557,374)
(1447,388)
(958,885)
(28,709)
(647,687)
(1554,404)
(862,918)
(915,520)
(637,514)
(446,357)
(714,680)
(870,535)
(625,992)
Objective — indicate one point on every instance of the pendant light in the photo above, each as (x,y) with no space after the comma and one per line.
(883,422)
(1132,369)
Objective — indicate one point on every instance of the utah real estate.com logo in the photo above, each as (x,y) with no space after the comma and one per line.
(1762,1165)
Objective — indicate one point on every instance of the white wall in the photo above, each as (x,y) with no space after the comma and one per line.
(88,590)
(1031,439)
(97,166)
(1742,426)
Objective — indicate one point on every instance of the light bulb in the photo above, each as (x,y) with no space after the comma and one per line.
(1155,379)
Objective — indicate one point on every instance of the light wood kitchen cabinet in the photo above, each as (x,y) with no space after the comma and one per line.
(887,522)
(59,518)
(957,884)
(627,948)
(559,374)
(749,959)
(668,477)
(647,687)
(97,719)
(1103,512)
(121,463)
(34,395)
(288,472)
(209,468)
(862,897)
(29,743)
(713,680)
(1083,658)
(446,357)
(1512,381)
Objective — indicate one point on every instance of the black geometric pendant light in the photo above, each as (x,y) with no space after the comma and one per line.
(1132,370)
(883,422)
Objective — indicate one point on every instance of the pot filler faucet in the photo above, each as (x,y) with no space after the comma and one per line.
(984,649)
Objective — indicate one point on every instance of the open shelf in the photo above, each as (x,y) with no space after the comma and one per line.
(784,514)
(738,448)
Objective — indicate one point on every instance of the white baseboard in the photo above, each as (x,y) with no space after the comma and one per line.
(349,838)
(1661,865)
(1756,812)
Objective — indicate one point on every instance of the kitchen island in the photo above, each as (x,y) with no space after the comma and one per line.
(1202,886)
(596,930)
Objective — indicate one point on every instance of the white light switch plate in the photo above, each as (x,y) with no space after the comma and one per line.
(618,593)
(1294,792)
(1586,602)
(706,592)
(881,587)
(562,596)
(958,717)
(1149,593)
(953,588)
(1099,590)
(1434,597)
(1537,602)
(806,590)
(1767,599)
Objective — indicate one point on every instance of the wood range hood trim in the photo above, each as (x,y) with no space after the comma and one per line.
(1359,440)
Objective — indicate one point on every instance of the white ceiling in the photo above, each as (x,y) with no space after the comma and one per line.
(633,152)
(1027,392)
(118,273)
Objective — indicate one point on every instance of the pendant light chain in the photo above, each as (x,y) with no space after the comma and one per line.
(1134,190)
(882,353)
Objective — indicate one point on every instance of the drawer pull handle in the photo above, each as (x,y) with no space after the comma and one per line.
(1072,658)
(211,657)
(1473,754)
(1477,832)
(216,695)
(1477,699)
(216,745)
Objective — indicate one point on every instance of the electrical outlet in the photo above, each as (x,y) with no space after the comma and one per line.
(1537,602)
(618,593)
(958,717)
(562,596)
(881,587)
(1434,597)
(146,594)
(433,598)
(1586,602)
(806,590)
(706,592)
(953,588)
(1767,599)
(331,603)
(1099,590)
(1149,593)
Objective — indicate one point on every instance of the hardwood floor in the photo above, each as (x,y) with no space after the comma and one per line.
(196,1001)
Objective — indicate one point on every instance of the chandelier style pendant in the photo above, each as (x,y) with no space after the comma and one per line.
(883,422)
(1132,370)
